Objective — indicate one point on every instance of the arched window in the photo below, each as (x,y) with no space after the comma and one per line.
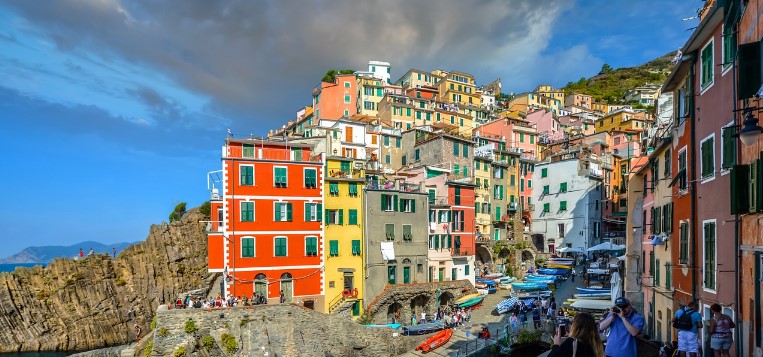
(287,286)
(261,284)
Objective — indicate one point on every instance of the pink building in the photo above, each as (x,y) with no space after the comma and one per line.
(546,125)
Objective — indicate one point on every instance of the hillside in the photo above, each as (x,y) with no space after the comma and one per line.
(45,254)
(610,85)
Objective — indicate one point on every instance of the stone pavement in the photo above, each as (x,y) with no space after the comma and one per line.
(465,337)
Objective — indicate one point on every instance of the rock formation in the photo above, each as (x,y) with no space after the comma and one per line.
(94,302)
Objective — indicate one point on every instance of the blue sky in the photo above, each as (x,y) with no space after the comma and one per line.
(113,111)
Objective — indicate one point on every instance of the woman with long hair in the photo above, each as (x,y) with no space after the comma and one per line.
(583,341)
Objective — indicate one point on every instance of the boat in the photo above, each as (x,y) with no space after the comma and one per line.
(493,276)
(525,295)
(562,260)
(553,271)
(596,305)
(506,305)
(536,278)
(480,285)
(467,298)
(392,326)
(529,286)
(597,271)
(488,282)
(424,328)
(599,296)
(507,280)
(559,266)
(471,302)
(435,341)
(594,290)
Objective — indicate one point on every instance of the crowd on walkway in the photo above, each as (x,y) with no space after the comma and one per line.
(193,302)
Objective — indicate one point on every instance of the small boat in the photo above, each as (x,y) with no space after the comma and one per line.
(529,286)
(480,285)
(525,295)
(605,296)
(488,282)
(539,277)
(506,286)
(424,328)
(562,260)
(435,341)
(467,298)
(553,271)
(597,271)
(559,266)
(507,279)
(596,305)
(392,326)
(506,305)
(594,291)
(493,276)
(472,302)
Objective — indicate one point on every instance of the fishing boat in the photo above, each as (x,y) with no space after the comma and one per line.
(540,293)
(597,271)
(594,290)
(480,285)
(598,296)
(488,282)
(594,305)
(559,266)
(435,341)
(529,286)
(552,271)
(467,298)
(507,280)
(493,276)
(542,277)
(471,302)
(424,328)
(506,305)
(392,326)
(568,261)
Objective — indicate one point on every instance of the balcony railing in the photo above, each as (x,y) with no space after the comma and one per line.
(212,226)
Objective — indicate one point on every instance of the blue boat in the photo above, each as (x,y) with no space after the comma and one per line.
(552,271)
(529,286)
(488,282)
(392,326)
(424,328)
(550,278)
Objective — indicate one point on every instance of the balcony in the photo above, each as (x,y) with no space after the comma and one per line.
(528,207)
(513,206)
(212,226)
(344,174)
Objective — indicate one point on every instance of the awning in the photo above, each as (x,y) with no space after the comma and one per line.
(569,249)
(622,257)
(388,250)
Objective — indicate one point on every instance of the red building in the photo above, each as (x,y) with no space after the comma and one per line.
(270,232)
(461,200)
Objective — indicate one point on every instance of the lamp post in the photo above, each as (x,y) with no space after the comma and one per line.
(750,131)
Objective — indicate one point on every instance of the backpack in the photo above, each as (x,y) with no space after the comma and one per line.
(684,321)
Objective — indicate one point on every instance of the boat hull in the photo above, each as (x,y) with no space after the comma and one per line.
(424,328)
(467,297)
(435,341)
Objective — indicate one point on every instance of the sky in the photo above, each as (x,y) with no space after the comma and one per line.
(114,111)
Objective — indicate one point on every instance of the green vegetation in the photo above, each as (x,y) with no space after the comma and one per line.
(180,352)
(208,342)
(190,326)
(148,348)
(153,322)
(178,213)
(365,318)
(229,343)
(120,281)
(540,261)
(205,209)
(163,332)
(529,337)
(610,84)
(330,76)
(243,322)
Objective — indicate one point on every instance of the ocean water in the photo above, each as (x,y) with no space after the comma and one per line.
(11,267)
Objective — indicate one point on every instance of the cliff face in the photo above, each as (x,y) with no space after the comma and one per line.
(93,303)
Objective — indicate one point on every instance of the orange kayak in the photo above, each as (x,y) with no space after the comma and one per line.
(435,341)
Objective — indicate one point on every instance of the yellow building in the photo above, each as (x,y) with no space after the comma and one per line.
(343,249)
(623,120)
(525,101)
(370,93)
(548,91)
(398,110)
(458,88)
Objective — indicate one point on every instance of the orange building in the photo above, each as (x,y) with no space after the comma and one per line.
(270,233)
(338,99)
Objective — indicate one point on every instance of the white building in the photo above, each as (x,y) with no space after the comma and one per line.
(567,198)
(380,70)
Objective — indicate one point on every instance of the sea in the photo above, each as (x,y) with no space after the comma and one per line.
(12,267)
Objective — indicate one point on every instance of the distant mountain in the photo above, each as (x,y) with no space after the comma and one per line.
(47,253)
(610,85)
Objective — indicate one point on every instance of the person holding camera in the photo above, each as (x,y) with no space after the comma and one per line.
(584,339)
(688,322)
(624,324)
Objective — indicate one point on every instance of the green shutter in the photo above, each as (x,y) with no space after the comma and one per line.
(333,248)
(307,212)
(394,202)
(278,212)
(383,206)
(563,187)
(739,190)
(353,217)
(413,205)
(288,212)
(328,217)
(546,207)
(759,183)
(341,216)
(319,212)
(248,150)
(729,147)
(543,172)
(356,247)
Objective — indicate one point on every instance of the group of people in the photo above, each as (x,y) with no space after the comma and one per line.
(543,308)
(452,316)
(688,321)
(92,251)
(220,302)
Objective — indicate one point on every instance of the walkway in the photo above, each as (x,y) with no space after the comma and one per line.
(465,337)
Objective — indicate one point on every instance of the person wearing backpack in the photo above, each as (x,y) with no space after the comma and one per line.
(720,331)
(688,322)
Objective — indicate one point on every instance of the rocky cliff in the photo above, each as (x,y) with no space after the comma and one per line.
(91,303)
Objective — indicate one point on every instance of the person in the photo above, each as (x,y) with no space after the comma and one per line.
(282,299)
(523,319)
(448,320)
(688,339)
(92,251)
(114,252)
(81,253)
(552,306)
(423,317)
(544,305)
(513,322)
(413,319)
(536,317)
(720,331)
(573,275)
(485,333)
(624,323)
(137,332)
(584,339)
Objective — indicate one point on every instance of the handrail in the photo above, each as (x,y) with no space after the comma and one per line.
(335,301)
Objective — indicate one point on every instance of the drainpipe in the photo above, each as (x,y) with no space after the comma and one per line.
(693,180)
(737,223)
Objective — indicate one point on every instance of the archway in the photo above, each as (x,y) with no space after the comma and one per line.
(527,255)
(446,297)
(287,287)
(419,304)
(483,255)
(261,285)
(395,313)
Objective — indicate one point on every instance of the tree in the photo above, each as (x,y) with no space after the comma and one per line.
(331,74)
(605,68)
(178,213)
(205,209)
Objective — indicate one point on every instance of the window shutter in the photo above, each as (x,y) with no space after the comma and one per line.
(753,190)
(394,202)
(307,212)
(383,206)
(759,183)
(288,212)
(729,147)
(341,216)
(739,190)
(328,217)
(319,211)
(413,205)
(278,212)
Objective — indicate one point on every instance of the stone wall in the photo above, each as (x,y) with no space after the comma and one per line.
(278,330)
(415,298)
(94,302)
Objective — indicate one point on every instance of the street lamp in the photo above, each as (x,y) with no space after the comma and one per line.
(750,129)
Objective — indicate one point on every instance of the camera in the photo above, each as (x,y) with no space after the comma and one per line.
(616,310)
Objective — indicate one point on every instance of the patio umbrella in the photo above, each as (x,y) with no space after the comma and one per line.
(606,246)
(617,287)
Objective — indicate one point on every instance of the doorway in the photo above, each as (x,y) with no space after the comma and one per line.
(287,287)
(348,281)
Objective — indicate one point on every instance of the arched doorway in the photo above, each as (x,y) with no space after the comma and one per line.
(445,298)
(527,255)
(395,313)
(419,304)
(483,255)
(261,285)
(287,287)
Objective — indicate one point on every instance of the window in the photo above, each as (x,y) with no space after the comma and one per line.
(386,141)
(457,195)
(563,205)
(416,155)
(247,211)
(466,270)
(683,242)
(334,189)
(334,216)
(667,163)
(407,232)
(387,159)
(246,175)
(389,203)
(280,247)
(283,212)
(405,160)
(563,187)
(356,247)
(707,148)
(728,147)
(560,227)
(248,150)
(498,192)
(431,196)
(707,66)
(391,275)
(344,166)
(543,172)
(333,248)
(247,247)
(668,275)
(529,183)
(311,246)
(389,231)
(729,47)
(313,212)
(397,142)
(657,273)
(465,149)
(346,98)
(279,175)
(456,168)
(521,137)
(682,169)
(455,149)
(512,180)
(353,189)
(353,216)
(311,178)
(709,235)
(546,207)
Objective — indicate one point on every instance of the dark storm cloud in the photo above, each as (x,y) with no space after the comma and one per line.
(258,60)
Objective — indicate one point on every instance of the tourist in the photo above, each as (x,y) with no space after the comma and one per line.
(282,299)
(448,320)
(513,322)
(536,317)
(720,329)
(413,319)
(624,324)
(92,251)
(423,317)
(114,252)
(584,339)
(552,306)
(81,253)
(544,305)
(245,300)
(688,330)
(573,275)
(523,320)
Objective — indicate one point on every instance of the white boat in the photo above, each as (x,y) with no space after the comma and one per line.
(606,296)
(597,271)
(587,304)
(506,286)
(507,279)
(533,294)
